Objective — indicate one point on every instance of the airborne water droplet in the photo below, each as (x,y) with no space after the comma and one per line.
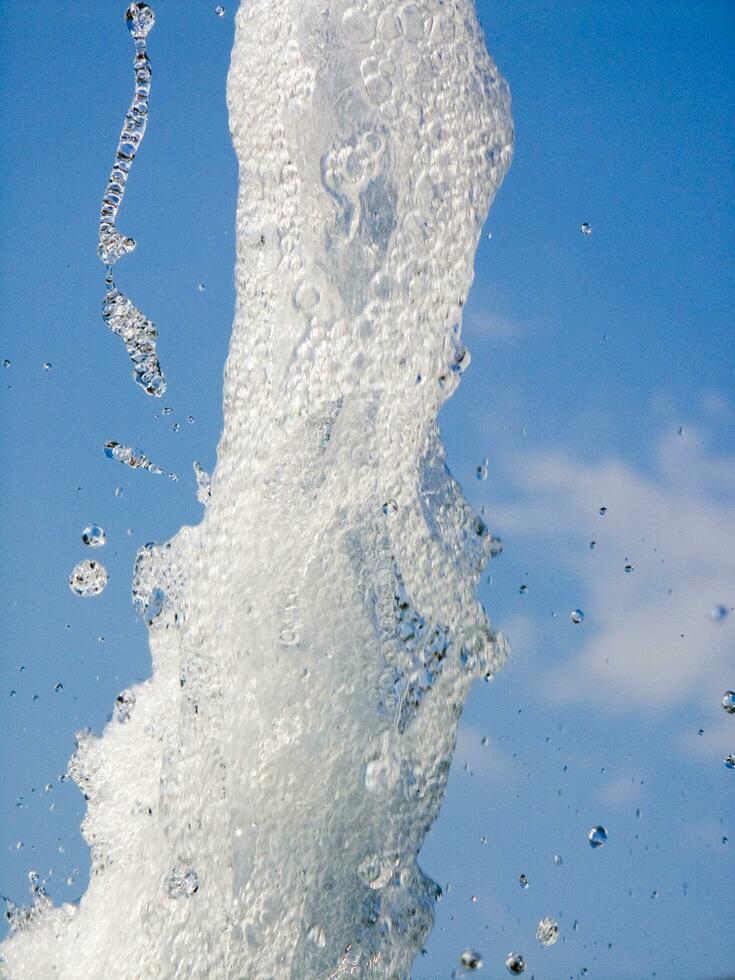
(586,228)
(471,960)
(94,536)
(140,19)
(597,836)
(515,964)
(728,702)
(547,932)
(729,761)
(576,615)
(718,613)
(88,578)
(523,881)
(219,10)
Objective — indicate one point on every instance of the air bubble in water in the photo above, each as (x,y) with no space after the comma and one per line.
(547,932)
(471,960)
(718,613)
(93,536)
(88,578)
(124,703)
(597,836)
(515,964)
(182,882)
(586,228)
(204,484)
(728,702)
(576,616)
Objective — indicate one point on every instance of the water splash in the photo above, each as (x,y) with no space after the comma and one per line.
(118,312)
(313,639)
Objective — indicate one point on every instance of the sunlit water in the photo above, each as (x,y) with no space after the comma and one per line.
(256,808)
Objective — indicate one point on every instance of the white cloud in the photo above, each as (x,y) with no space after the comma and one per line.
(649,639)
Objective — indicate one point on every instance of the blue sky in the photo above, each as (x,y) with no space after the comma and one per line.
(589,355)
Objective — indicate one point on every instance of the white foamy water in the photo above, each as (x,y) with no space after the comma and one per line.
(257,809)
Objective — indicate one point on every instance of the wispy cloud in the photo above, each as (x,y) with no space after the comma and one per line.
(649,638)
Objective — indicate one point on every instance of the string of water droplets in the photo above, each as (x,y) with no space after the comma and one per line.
(118,312)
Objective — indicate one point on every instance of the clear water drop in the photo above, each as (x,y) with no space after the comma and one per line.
(729,761)
(219,10)
(603,511)
(585,228)
(47,365)
(515,964)
(140,19)
(471,960)
(718,613)
(58,687)
(94,536)
(523,880)
(728,702)
(6,363)
(547,931)
(597,836)
(88,578)
(558,860)
(523,589)
(629,568)
(576,616)
(390,507)
(481,471)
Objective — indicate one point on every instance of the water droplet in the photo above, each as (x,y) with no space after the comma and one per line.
(88,578)
(182,882)
(547,932)
(597,837)
(629,568)
(134,458)
(729,761)
(523,881)
(603,511)
(585,228)
(390,507)
(481,471)
(728,702)
(139,335)
(681,430)
(489,235)
(167,410)
(6,363)
(58,687)
(201,287)
(523,589)
(175,426)
(47,365)
(515,964)
(471,960)
(140,19)
(576,616)
(557,859)
(592,545)
(655,893)
(718,613)
(219,10)
(124,704)
(94,536)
